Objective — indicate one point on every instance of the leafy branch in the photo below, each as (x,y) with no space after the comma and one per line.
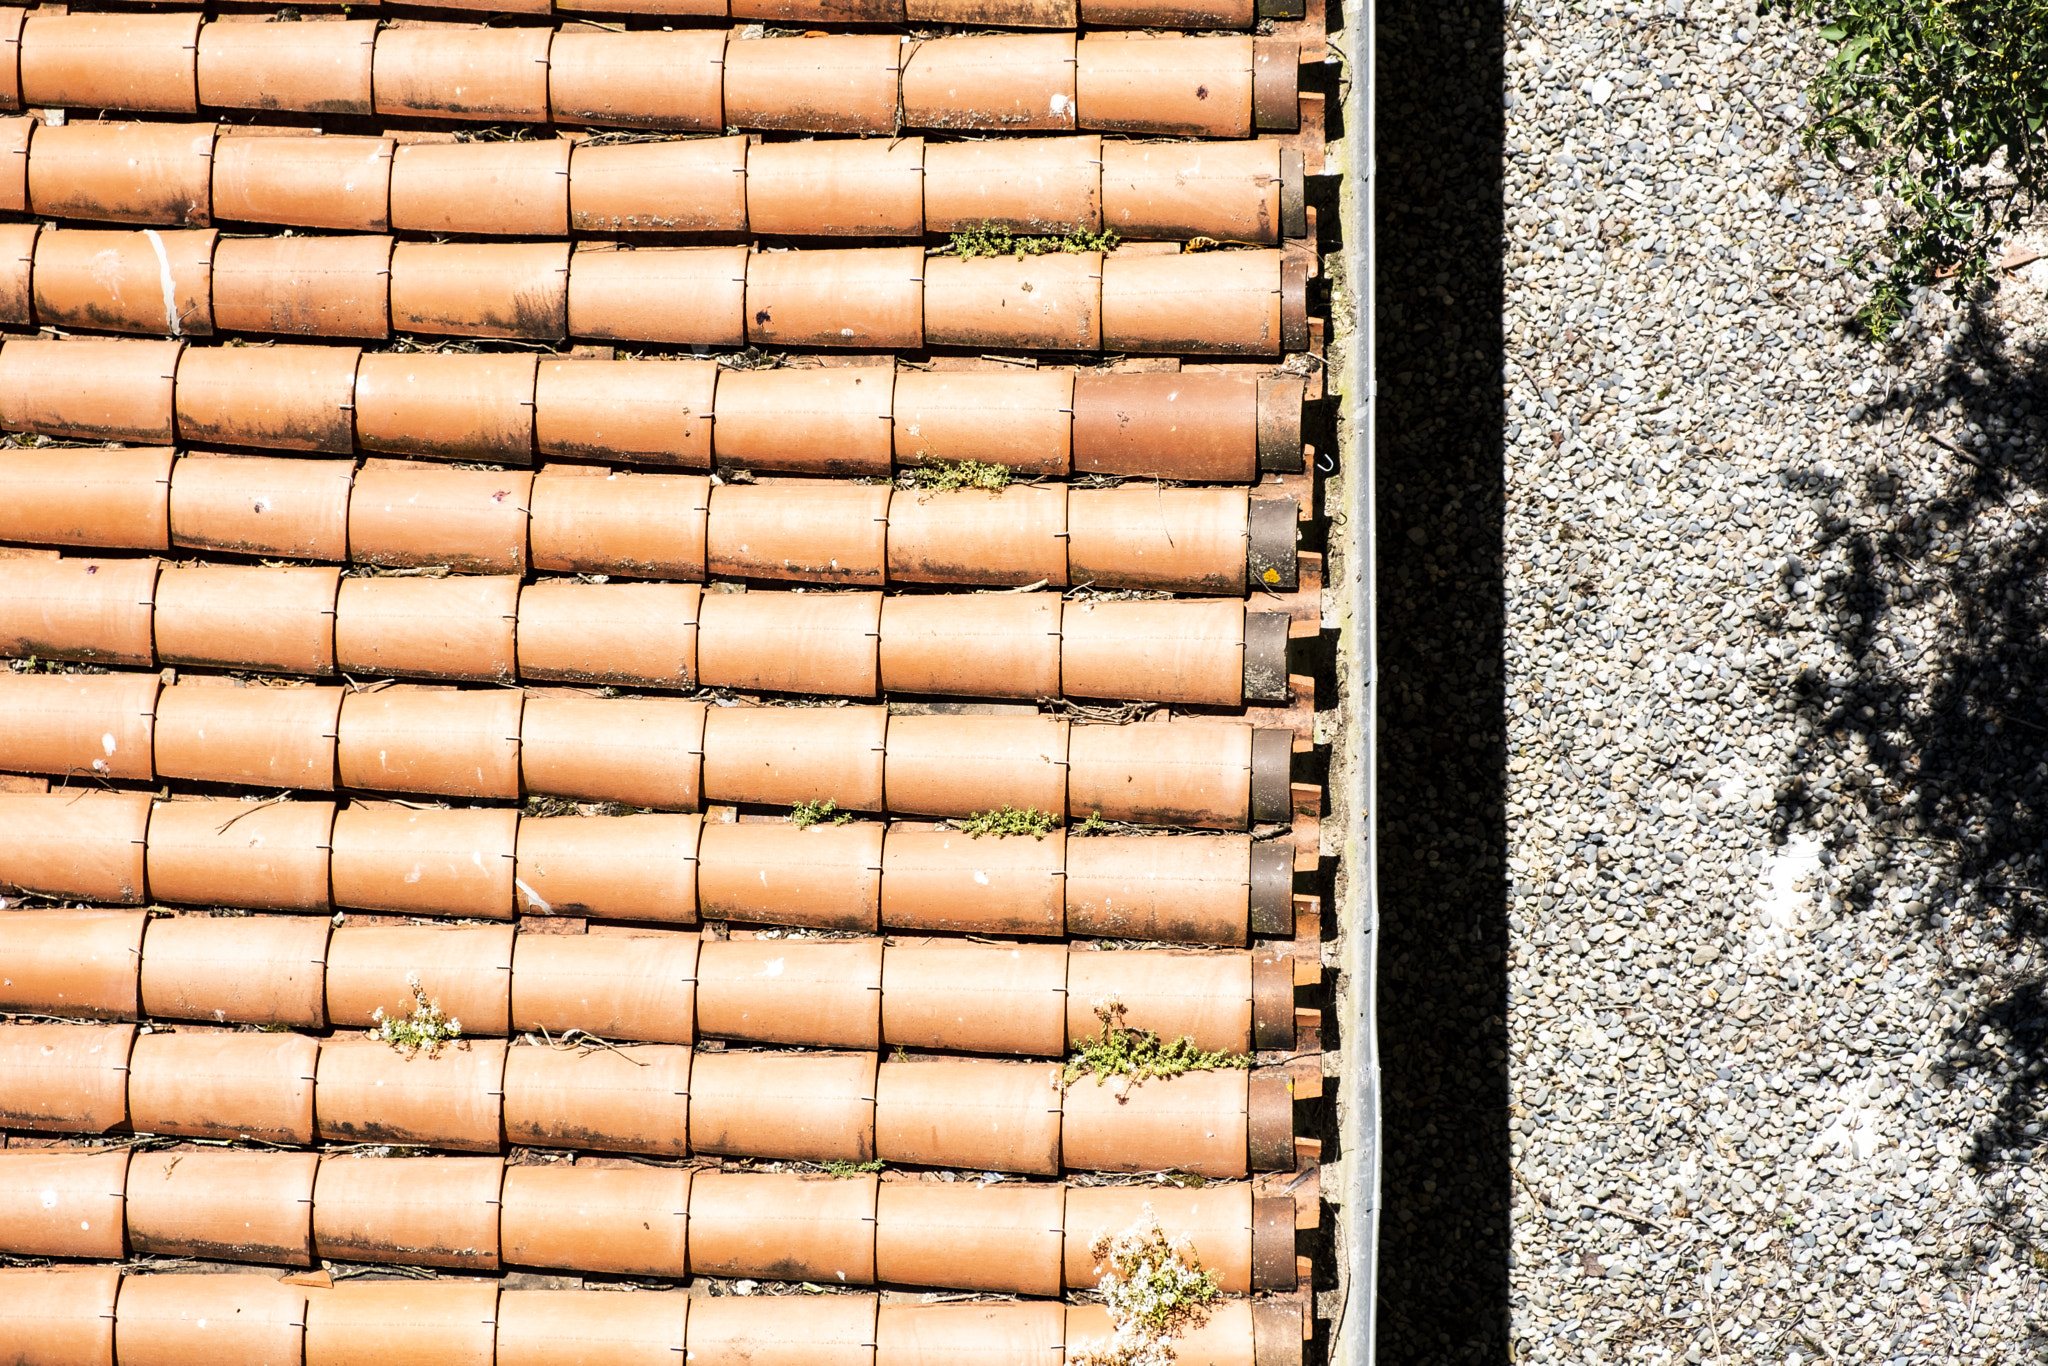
(1953,96)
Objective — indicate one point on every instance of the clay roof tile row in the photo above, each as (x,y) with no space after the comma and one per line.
(665,753)
(181,175)
(655,868)
(509,408)
(309,620)
(664,1100)
(479,1213)
(69,1318)
(194,282)
(688,79)
(668,526)
(947,994)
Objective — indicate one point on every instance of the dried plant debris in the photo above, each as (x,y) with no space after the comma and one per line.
(1104,713)
(426,1028)
(752,358)
(718,1287)
(1118,1050)
(1155,1291)
(1088,592)
(539,804)
(397,571)
(1176,1180)
(37,664)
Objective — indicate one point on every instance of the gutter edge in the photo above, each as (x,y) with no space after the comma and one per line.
(1354,603)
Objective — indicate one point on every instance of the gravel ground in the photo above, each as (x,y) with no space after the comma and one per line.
(1775,803)
(1745,1042)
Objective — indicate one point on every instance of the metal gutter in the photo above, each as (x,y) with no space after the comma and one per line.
(1353,602)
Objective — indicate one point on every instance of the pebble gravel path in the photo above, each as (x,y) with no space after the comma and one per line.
(1774,672)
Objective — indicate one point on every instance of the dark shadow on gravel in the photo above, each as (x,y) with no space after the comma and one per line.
(1961,747)
(1444,1243)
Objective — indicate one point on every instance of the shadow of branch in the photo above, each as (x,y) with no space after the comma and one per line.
(1952,724)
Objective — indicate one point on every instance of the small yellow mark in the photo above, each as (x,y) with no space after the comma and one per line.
(1272,576)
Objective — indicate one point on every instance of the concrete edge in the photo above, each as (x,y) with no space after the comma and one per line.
(1353,601)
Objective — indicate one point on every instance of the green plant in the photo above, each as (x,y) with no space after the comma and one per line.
(1010,821)
(1940,90)
(1880,314)
(959,474)
(427,1027)
(1118,1050)
(843,1169)
(804,815)
(1094,825)
(990,240)
(1155,1290)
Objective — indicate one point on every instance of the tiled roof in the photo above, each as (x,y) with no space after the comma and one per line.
(912,373)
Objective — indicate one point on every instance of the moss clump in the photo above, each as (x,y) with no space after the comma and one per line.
(841,1169)
(1155,1291)
(944,475)
(1118,1050)
(1010,821)
(804,815)
(427,1027)
(990,240)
